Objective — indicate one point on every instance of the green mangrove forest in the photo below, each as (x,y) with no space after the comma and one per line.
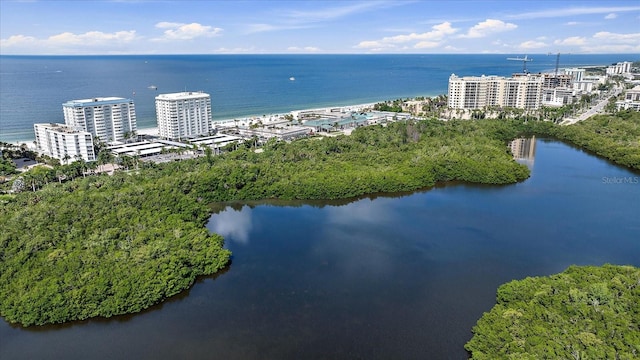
(582,313)
(107,245)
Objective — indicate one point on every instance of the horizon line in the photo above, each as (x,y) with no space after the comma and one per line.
(321,54)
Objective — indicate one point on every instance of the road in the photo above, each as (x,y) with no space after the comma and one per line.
(595,109)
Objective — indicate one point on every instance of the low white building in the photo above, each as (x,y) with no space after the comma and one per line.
(631,100)
(557,97)
(583,86)
(595,79)
(216,141)
(279,132)
(146,148)
(63,142)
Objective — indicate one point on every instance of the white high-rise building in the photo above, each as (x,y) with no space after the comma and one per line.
(184,114)
(106,118)
(576,73)
(619,68)
(63,142)
(477,92)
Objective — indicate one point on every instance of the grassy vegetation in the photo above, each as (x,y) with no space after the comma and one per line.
(583,313)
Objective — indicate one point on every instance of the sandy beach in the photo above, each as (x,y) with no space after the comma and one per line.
(242,121)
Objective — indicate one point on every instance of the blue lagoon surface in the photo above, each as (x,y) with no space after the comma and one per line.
(386,277)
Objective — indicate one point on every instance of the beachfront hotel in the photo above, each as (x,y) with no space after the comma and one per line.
(106,118)
(63,142)
(522,91)
(183,115)
(619,68)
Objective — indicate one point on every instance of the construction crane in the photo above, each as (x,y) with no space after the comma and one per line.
(556,80)
(524,60)
(557,62)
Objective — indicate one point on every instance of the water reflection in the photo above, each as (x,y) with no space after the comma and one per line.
(232,224)
(357,239)
(396,277)
(524,150)
(361,211)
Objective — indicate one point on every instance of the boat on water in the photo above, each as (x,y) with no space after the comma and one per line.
(152,87)
(292,78)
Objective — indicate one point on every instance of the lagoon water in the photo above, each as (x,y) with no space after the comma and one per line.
(386,277)
(33,88)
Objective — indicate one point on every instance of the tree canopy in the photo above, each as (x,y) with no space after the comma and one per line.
(584,312)
(107,245)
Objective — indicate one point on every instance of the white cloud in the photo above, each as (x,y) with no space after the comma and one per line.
(502,44)
(572,23)
(527,45)
(255,28)
(92,38)
(604,42)
(236,50)
(452,48)
(337,12)
(606,36)
(287,19)
(18,40)
(566,12)
(611,48)
(309,49)
(488,27)
(427,44)
(371,44)
(428,39)
(180,31)
(571,41)
(611,16)
(70,43)
(398,30)
(301,19)
(233,224)
(258,28)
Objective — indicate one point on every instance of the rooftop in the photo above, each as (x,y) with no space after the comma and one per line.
(60,128)
(97,101)
(182,95)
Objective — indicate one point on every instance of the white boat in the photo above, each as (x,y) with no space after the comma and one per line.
(292,78)
(152,87)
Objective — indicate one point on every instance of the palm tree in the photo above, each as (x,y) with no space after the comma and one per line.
(136,158)
(83,164)
(59,174)
(92,165)
(30,178)
(104,157)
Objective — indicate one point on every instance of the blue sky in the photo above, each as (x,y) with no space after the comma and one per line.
(317,27)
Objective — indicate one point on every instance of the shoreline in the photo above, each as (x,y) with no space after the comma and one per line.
(241,121)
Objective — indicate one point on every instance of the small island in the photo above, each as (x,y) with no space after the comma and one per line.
(585,312)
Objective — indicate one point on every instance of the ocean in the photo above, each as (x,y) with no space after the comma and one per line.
(33,88)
